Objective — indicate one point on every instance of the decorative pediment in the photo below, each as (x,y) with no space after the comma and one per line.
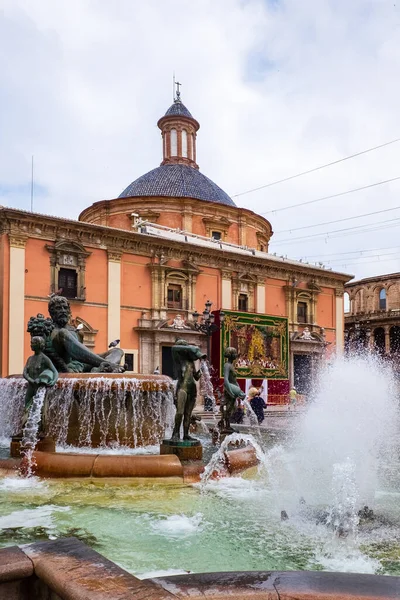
(216,224)
(85,331)
(67,253)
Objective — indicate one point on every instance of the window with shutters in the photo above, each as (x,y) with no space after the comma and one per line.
(243,303)
(174,296)
(302,312)
(68,283)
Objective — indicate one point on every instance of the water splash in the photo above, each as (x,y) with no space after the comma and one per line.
(353,419)
(206,387)
(30,434)
(217,463)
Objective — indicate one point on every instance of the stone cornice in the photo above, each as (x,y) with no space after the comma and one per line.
(26,224)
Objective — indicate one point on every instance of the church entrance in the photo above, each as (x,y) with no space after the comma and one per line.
(166,361)
(302,367)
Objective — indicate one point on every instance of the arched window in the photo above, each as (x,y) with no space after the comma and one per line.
(174,142)
(346,299)
(382,299)
(184,143)
(358,302)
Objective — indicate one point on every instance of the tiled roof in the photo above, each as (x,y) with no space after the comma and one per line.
(177,181)
(176,109)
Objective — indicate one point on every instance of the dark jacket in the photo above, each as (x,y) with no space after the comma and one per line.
(258,405)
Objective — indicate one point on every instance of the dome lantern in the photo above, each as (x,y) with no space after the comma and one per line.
(178,130)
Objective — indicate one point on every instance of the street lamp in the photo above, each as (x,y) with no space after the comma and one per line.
(207,324)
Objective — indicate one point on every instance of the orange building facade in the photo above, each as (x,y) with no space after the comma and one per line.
(172,241)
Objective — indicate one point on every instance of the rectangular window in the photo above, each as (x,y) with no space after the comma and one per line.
(243,303)
(174,298)
(68,283)
(129,362)
(216,235)
(302,312)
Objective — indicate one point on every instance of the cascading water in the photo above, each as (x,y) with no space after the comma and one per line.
(30,434)
(96,411)
(206,387)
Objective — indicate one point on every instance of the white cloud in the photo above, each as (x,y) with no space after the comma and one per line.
(278,87)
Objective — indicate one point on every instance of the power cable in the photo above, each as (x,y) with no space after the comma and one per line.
(349,252)
(372,226)
(335,162)
(337,220)
(365,187)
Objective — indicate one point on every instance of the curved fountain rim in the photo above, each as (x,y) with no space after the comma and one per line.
(139,376)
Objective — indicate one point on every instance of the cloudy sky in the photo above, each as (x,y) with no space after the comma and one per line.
(278,86)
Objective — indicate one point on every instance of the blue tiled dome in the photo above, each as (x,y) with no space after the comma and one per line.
(177,181)
(176,109)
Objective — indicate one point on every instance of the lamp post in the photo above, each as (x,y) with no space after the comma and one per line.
(207,323)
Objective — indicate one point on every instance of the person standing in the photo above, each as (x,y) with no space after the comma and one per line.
(257,404)
(292,398)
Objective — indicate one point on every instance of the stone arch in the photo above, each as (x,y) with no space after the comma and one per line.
(379,340)
(394,338)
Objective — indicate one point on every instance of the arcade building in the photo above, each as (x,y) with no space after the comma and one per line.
(138,267)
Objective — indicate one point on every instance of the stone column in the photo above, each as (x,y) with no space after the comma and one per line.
(226,290)
(260,308)
(339,313)
(114,296)
(387,339)
(16,318)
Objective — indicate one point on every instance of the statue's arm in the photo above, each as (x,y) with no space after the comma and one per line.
(52,368)
(26,373)
(78,351)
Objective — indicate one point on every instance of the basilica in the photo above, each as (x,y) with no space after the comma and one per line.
(142,268)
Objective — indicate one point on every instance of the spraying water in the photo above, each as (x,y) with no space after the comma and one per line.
(30,434)
(206,387)
(217,463)
(353,420)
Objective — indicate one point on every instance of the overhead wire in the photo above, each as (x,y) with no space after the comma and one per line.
(330,164)
(327,234)
(359,189)
(377,212)
(305,257)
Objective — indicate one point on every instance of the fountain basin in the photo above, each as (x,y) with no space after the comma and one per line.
(91,409)
(72,570)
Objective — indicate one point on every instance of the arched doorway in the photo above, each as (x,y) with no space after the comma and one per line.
(379,340)
(394,336)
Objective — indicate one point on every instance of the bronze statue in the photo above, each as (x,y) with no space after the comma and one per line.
(66,350)
(184,356)
(38,371)
(232,391)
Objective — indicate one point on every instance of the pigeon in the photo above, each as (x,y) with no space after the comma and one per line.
(114,344)
(80,326)
(156,371)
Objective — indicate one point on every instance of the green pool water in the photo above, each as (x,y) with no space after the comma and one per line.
(152,528)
